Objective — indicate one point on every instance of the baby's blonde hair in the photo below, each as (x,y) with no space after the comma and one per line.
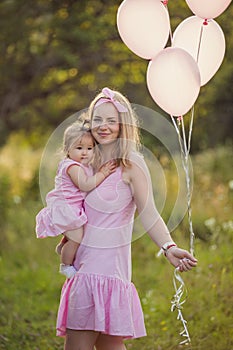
(129,139)
(73,133)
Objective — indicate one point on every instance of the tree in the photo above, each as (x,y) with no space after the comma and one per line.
(56,55)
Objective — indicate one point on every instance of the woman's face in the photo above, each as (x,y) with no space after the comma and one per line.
(105,123)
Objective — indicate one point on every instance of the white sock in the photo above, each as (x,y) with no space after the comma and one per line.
(67,270)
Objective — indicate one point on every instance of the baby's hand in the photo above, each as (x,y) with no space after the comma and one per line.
(108,168)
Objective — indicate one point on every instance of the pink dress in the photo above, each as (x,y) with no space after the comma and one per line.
(101,296)
(64,210)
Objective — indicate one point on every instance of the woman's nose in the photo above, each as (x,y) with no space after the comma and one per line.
(103,125)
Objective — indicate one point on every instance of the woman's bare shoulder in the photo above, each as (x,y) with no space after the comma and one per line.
(136,163)
(136,158)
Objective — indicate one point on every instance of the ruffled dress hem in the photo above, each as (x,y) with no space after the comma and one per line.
(100,303)
(53,221)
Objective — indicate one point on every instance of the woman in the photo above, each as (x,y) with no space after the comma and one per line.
(100,306)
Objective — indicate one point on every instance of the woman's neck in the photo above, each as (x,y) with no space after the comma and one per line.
(107,151)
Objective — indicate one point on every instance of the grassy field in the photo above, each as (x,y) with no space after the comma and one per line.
(30,283)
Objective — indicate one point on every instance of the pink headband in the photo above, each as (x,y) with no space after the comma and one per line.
(110,98)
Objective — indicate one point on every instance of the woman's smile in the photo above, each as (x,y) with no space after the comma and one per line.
(103,134)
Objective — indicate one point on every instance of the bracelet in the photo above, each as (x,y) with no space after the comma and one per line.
(167,246)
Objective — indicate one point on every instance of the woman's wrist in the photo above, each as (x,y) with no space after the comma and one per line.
(166,246)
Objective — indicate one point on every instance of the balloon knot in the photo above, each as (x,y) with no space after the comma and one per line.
(179,119)
(205,23)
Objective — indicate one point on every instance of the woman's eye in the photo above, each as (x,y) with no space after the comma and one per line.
(99,121)
(96,120)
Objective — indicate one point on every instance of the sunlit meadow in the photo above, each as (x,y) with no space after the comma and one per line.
(30,282)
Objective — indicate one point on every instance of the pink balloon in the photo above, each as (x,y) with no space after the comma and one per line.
(205,41)
(143,26)
(208,8)
(173,80)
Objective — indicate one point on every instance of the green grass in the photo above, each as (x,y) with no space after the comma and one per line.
(30,288)
(30,283)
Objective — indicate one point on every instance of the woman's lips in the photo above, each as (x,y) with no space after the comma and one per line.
(102,134)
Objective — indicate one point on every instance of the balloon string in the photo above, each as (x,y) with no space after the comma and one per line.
(179,136)
(185,146)
(186,166)
(177,304)
(199,43)
(181,291)
(190,128)
(170,29)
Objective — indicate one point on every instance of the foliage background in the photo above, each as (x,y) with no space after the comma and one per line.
(55,56)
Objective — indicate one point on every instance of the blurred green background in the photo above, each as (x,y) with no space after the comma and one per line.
(55,56)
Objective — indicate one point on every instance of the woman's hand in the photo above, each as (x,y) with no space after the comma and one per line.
(181,259)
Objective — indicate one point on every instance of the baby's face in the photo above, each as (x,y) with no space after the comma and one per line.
(83,150)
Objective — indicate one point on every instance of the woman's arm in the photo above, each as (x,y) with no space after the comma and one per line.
(139,178)
(87,183)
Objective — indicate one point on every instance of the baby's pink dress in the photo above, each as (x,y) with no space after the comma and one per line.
(101,296)
(64,210)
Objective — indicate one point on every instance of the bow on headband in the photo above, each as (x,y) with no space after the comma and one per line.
(110,98)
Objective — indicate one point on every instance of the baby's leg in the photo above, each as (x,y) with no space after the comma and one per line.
(60,245)
(68,252)
(69,249)
(75,235)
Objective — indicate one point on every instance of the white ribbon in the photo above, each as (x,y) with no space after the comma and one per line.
(177,302)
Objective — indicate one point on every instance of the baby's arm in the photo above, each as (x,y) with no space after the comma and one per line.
(88,183)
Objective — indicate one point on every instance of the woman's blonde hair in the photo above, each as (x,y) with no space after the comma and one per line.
(129,139)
